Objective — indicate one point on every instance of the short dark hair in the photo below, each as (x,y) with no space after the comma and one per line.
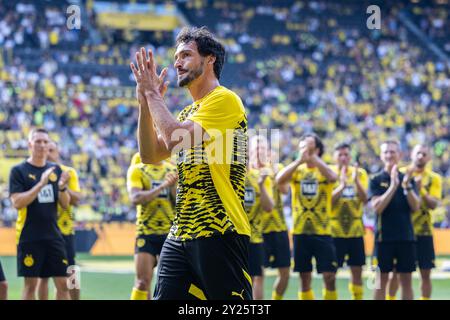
(317,141)
(207,44)
(342,145)
(36,130)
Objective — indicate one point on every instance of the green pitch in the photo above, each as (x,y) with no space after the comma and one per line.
(111,278)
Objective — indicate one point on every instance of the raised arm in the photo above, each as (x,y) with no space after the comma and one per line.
(380,203)
(63,194)
(139,196)
(284,176)
(324,169)
(152,148)
(267,203)
(411,195)
(152,88)
(337,192)
(21,200)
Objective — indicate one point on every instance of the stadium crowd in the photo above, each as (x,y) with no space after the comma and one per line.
(325,73)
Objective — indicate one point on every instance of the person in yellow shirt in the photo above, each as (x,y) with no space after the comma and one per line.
(311,181)
(429,184)
(65,220)
(205,255)
(256,201)
(274,228)
(347,228)
(152,189)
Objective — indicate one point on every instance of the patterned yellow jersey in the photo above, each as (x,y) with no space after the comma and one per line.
(136,159)
(65,216)
(347,212)
(155,217)
(311,201)
(211,185)
(274,220)
(431,184)
(252,202)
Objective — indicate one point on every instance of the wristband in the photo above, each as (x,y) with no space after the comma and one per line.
(62,190)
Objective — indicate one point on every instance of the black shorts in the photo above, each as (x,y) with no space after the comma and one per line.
(425,252)
(2,274)
(256,259)
(214,268)
(399,256)
(42,259)
(69,242)
(320,247)
(151,244)
(350,250)
(277,253)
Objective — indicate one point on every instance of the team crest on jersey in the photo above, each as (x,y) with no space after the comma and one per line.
(140,243)
(65,262)
(309,188)
(384,185)
(32,176)
(348,192)
(53,177)
(28,261)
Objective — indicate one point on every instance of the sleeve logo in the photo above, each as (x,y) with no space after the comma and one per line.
(53,177)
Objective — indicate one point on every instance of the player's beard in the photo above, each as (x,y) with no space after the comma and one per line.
(420,165)
(192,75)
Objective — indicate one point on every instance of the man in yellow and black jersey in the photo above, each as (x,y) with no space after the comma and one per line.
(206,253)
(347,228)
(37,187)
(312,181)
(429,184)
(257,201)
(65,220)
(274,228)
(152,189)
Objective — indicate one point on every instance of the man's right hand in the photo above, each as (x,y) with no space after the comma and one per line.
(395,181)
(171,179)
(143,78)
(343,176)
(46,175)
(304,153)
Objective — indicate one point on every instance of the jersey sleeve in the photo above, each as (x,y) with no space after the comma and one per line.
(74,183)
(219,112)
(375,188)
(16,182)
(436,187)
(134,178)
(364,179)
(136,159)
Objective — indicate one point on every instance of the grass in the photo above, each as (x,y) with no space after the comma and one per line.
(100,280)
